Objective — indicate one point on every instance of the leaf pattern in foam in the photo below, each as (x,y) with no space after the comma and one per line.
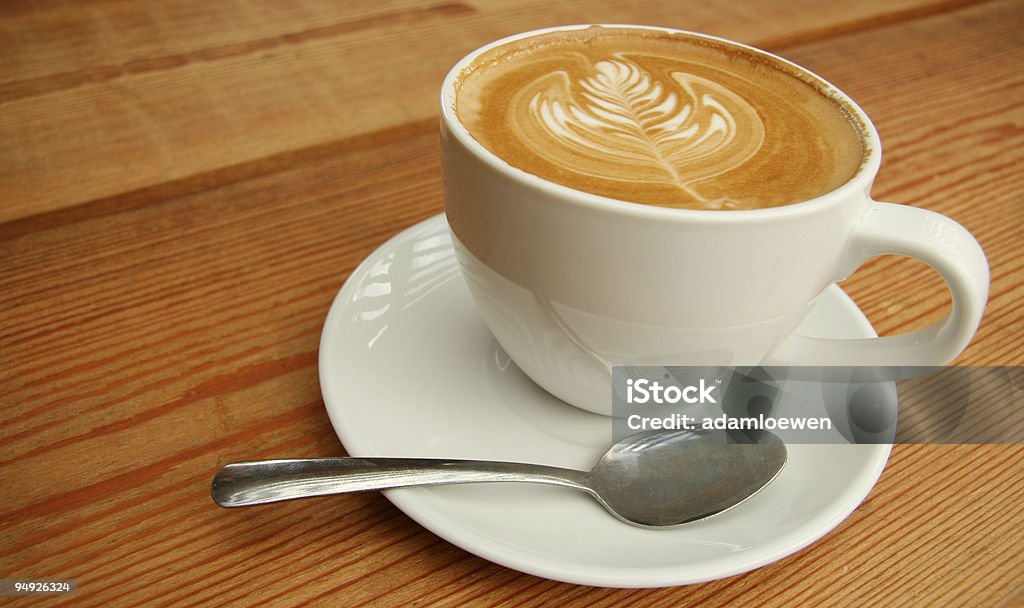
(619,123)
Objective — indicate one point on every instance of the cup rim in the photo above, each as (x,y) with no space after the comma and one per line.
(860,182)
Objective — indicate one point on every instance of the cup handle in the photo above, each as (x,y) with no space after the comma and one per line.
(932,238)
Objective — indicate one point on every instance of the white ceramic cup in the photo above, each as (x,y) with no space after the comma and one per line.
(571,283)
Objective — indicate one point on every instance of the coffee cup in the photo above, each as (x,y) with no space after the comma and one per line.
(628,195)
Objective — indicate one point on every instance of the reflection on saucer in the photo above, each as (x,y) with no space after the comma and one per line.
(540,409)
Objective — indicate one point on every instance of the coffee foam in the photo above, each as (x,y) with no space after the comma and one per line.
(658,118)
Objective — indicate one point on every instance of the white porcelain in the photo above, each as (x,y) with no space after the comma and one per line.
(408,368)
(571,283)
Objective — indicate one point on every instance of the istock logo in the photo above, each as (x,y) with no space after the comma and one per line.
(645,391)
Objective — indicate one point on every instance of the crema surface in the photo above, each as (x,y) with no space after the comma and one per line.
(659,118)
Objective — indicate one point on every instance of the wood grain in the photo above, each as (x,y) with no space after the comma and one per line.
(185,187)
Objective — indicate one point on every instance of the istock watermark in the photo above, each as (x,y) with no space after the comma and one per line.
(863,404)
(643,390)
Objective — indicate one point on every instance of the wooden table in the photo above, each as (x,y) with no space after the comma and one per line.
(185,186)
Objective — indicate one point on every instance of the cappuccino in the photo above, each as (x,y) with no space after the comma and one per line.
(660,118)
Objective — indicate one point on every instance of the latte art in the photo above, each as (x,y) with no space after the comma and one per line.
(631,127)
(659,118)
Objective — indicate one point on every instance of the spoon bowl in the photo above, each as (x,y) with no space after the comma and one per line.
(672,478)
(652,480)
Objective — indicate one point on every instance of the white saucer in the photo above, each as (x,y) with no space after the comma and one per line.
(407,368)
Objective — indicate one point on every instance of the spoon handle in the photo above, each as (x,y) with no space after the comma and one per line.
(263,481)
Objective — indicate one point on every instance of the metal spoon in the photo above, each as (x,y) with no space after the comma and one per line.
(650,480)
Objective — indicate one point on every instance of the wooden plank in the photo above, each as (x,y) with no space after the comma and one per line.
(121,97)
